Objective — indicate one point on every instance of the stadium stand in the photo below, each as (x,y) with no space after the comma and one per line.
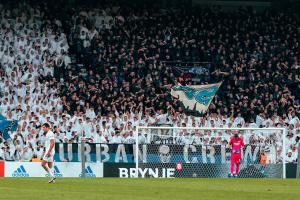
(112,68)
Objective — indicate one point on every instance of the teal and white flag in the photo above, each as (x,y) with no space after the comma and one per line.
(196,97)
(6,126)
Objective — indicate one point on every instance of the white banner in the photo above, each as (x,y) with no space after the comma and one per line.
(61,169)
(196,97)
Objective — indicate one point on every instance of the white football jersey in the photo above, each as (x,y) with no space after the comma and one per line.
(49,136)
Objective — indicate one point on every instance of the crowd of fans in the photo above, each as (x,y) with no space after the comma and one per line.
(119,77)
(31,46)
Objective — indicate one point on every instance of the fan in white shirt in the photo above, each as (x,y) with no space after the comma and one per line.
(293,118)
(117,138)
(129,138)
(38,152)
(162,118)
(197,140)
(26,154)
(141,138)
(259,119)
(239,120)
(106,130)
(68,135)
(182,139)
(291,157)
(99,138)
(90,113)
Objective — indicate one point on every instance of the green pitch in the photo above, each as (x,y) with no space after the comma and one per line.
(158,189)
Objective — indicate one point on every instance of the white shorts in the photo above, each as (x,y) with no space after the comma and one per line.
(48,159)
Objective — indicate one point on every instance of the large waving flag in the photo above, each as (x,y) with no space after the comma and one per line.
(6,126)
(196,97)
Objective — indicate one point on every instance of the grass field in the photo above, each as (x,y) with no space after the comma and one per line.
(158,189)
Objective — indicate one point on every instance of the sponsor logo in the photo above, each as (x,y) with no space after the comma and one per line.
(20,172)
(147,172)
(57,172)
(88,172)
(179,166)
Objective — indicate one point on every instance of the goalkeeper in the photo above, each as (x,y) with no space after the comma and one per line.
(236,144)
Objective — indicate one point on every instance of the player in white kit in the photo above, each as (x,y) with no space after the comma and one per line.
(47,162)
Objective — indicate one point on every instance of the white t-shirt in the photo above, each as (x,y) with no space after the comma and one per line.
(162,118)
(197,140)
(48,138)
(290,159)
(294,120)
(129,140)
(117,140)
(99,139)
